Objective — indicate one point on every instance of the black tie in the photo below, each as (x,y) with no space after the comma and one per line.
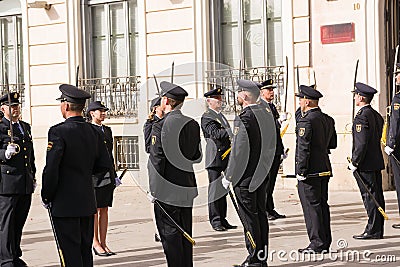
(17,130)
(274,110)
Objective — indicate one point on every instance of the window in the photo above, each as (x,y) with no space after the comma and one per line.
(11,54)
(247,32)
(127,152)
(110,54)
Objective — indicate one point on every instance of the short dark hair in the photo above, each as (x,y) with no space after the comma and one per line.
(76,107)
(367,99)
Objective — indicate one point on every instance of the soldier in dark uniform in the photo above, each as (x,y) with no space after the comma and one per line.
(217,132)
(393,138)
(315,136)
(267,96)
(155,114)
(104,182)
(175,147)
(367,158)
(17,181)
(253,151)
(75,151)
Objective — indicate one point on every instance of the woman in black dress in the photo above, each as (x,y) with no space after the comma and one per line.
(104,183)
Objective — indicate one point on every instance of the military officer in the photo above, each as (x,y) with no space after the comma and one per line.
(17,181)
(253,150)
(175,147)
(367,158)
(75,151)
(267,96)
(393,138)
(315,136)
(217,132)
(155,114)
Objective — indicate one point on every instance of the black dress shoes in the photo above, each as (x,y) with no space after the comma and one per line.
(273,215)
(311,250)
(219,228)
(396,226)
(246,264)
(20,263)
(157,238)
(228,226)
(102,254)
(365,236)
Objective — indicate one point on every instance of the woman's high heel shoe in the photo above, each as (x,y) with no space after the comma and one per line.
(102,254)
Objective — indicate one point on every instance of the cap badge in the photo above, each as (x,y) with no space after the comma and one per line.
(302,131)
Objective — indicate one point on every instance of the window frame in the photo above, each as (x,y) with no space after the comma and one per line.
(18,47)
(217,53)
(87,42)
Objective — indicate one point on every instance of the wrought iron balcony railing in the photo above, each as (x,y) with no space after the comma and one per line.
(119,94)
(227,79)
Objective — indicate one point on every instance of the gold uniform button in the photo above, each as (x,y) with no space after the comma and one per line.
(26,164)
(23,141)
(26,156)
(8,171)
(25,148)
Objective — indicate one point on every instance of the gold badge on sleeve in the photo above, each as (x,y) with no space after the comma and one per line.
(302,131)
(49,146)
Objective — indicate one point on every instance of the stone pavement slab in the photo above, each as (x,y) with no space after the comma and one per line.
(131,234)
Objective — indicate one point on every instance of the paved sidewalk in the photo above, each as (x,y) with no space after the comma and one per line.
(131,234)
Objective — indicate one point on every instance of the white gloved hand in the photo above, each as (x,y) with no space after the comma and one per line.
(117,181)
(351,167)
(10,151)
(388,150)
(225,182)
(300,177)
(283,117)
(150,197)
(46,206)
